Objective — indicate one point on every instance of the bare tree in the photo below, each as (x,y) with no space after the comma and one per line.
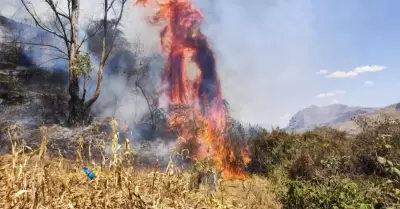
(139,74)
(150,100)
(66,29)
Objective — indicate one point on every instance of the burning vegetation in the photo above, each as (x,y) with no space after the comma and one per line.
(145,165)
(196,102)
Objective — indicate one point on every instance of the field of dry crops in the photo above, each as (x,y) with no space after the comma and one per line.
(36,180)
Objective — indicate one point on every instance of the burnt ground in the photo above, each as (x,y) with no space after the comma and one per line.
(32,98)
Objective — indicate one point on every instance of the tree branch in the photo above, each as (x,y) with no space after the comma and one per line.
(116,27)
(38,21)
(104,54)
(90,36)
(44,45)
(57,14)
(52,59)
(69,8)
(147,100)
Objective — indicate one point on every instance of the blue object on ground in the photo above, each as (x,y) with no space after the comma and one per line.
(89,173)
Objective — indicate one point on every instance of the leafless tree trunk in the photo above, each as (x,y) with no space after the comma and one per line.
(67,31)
(75,103)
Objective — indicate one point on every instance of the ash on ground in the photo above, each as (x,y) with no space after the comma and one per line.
(30,99)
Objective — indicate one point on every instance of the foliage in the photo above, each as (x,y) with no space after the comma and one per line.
(326,167)
(390,168)
(83,64)
(332,193)
(270,150)
(378,139)
(302,167)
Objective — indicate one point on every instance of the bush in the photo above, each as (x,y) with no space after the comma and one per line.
(302,167)
(301,155)
(333,193)
(378,139)
(315,167)
(271,150)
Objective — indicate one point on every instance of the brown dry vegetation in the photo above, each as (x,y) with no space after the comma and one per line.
(37,180)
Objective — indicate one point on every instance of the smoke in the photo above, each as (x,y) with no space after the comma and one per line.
(160,149)
(264,56)
(132,74)
(128,102)
(34,44)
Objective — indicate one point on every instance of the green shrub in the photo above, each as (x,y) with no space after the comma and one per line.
(271,150)
(378,139)
(314,168)
(335,165)
(332,193)
(302,167)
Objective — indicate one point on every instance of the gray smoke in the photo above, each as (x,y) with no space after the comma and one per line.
(132,74)
(34,44)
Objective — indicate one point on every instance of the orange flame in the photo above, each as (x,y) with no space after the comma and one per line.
(182,40)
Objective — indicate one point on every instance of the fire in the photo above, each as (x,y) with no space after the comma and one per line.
(182,40)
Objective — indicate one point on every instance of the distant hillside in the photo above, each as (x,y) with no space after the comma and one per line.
(331,115)
(392,111)
(339,116)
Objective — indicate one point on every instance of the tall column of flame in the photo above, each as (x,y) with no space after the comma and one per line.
(181,40)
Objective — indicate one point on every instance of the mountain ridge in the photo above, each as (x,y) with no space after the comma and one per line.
(338,116)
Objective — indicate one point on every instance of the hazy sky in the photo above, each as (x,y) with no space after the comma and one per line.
(278,56)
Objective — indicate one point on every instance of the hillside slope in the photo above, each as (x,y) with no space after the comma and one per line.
(392,111)
(331,115)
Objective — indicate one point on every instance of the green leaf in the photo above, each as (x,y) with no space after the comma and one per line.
(353,186)
(397,192)
(365,206)
(388,146)
(381,160)
(83,64)
(390,163)
(396,171)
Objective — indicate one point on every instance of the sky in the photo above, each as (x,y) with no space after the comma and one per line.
(276,57)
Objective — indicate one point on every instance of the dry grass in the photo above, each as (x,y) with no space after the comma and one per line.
(35,180)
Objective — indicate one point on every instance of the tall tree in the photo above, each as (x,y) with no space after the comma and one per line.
(66,28)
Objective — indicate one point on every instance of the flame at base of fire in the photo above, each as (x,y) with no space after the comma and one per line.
(190,124)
